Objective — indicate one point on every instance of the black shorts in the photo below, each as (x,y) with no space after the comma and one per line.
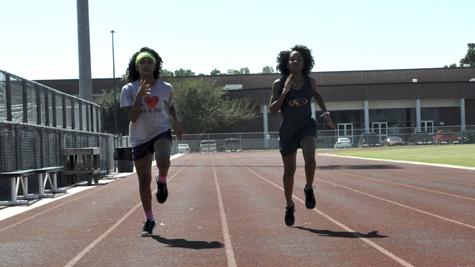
(288,147)
(142,150)
(290,137)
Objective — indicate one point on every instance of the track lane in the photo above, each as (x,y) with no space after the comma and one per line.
(362,212)
(188,231)
(298,245)
(192,232)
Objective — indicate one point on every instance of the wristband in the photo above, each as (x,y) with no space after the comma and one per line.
(324,114)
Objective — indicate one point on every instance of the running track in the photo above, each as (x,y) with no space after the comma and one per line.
(226,209)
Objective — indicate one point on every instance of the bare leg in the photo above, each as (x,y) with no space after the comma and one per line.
(162,149)
(289,171)
(308,150)
(144,172)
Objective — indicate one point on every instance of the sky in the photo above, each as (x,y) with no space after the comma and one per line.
(39,37)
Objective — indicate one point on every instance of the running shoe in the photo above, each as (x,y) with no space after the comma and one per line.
(309,197)
(162,192)
(148,227)
(289,215)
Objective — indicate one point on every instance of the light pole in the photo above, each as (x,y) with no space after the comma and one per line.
(115,83)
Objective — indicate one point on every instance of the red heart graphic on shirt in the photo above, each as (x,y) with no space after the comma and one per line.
(151,101)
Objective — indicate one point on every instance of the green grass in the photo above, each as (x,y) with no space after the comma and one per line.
(461,155)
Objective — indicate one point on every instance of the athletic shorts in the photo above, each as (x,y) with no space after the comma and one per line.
(290,137)
(288,147)
(142,150)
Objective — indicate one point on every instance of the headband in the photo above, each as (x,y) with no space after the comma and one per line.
(144,54)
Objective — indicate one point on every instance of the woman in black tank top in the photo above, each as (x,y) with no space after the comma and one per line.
(292,96)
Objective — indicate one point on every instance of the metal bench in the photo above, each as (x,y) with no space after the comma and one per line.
(49,175)
(82,161)
(17,178)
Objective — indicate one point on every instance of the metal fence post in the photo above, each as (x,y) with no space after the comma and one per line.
(24,101)
(8,95)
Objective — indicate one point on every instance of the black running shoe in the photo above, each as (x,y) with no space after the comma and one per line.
(162,192)
(148,227)
(289,215)
(309,198)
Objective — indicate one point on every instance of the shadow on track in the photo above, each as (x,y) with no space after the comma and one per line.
(372,234)
(183,243)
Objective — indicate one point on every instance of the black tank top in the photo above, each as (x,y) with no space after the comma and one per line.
(297,111)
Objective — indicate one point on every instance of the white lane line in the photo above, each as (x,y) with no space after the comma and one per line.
(402,161)
(227,238)
(91,245)
(8,212)
(346,228)
(81,254)
(51,208)
(398,204)
(272,159)
(43,212)
(409,186)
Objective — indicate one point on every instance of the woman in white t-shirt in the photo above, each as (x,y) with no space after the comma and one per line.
(149,105)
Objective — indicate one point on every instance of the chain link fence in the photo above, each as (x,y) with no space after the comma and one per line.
(328,138)
(38,122)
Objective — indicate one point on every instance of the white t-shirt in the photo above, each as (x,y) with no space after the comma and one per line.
(153,119)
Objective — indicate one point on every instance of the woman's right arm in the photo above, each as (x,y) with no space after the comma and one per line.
(134,111)
(277,99)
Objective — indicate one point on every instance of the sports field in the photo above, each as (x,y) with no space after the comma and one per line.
(461,155)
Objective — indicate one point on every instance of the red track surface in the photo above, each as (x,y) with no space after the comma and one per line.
(226,209)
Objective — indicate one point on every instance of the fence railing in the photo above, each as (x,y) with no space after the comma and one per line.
(38,122)
(24,101)
(25,146)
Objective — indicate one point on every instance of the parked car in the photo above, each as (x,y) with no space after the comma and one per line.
(393,141)
(208,146)
(445,137)
(183,148)
(370,139)
(342,142)
(232,144)
(420,138)
(468,136)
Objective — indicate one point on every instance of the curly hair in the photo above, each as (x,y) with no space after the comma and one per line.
(132,74)
(283,60)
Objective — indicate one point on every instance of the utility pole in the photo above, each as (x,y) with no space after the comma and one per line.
(84,51)
(115,83)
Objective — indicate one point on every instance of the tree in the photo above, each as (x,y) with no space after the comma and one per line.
(469,57)
(268,69)
(451,66)
(166,73)
(244,70)
(203,107)
(215,72)
(107,103)
(183,72)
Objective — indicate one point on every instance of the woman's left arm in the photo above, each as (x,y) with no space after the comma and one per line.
(325,115)
(177,128)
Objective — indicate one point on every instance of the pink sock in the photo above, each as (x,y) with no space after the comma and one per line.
(149,215)
(162,179)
